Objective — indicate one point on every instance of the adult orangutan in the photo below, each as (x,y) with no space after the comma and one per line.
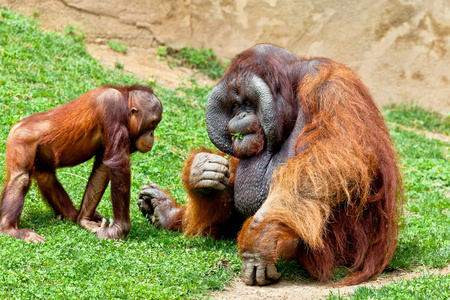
(108,123)
(312,170)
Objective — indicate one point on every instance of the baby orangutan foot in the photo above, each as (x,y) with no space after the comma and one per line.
(116,230)
(23,234)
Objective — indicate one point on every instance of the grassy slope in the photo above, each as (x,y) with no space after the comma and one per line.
(39,71)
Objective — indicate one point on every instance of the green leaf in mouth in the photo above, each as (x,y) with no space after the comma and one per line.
(235,136)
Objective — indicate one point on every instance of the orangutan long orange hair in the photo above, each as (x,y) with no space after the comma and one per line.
(338,194)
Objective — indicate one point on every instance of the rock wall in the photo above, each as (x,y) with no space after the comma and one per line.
(400,48)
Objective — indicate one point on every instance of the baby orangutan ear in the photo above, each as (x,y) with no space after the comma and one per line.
(133,110)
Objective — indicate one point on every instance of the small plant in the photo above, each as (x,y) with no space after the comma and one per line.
(116,46)
(118,65)
(35,14)
(162,50)
(75,33)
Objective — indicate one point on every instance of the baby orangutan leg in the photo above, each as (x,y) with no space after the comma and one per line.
(159,208)
(261,244)
(88,217)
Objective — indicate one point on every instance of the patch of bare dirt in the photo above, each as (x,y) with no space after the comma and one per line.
(292,290)
(145,64)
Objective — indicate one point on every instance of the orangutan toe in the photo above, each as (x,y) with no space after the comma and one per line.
(255,271)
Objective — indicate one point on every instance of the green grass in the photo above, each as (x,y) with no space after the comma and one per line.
(412,116)
(423,288)
(39,71)
(425,235)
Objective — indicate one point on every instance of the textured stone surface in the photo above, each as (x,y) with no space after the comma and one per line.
(400,48)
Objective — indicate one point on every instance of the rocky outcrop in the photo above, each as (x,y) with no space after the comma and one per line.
(400,48)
